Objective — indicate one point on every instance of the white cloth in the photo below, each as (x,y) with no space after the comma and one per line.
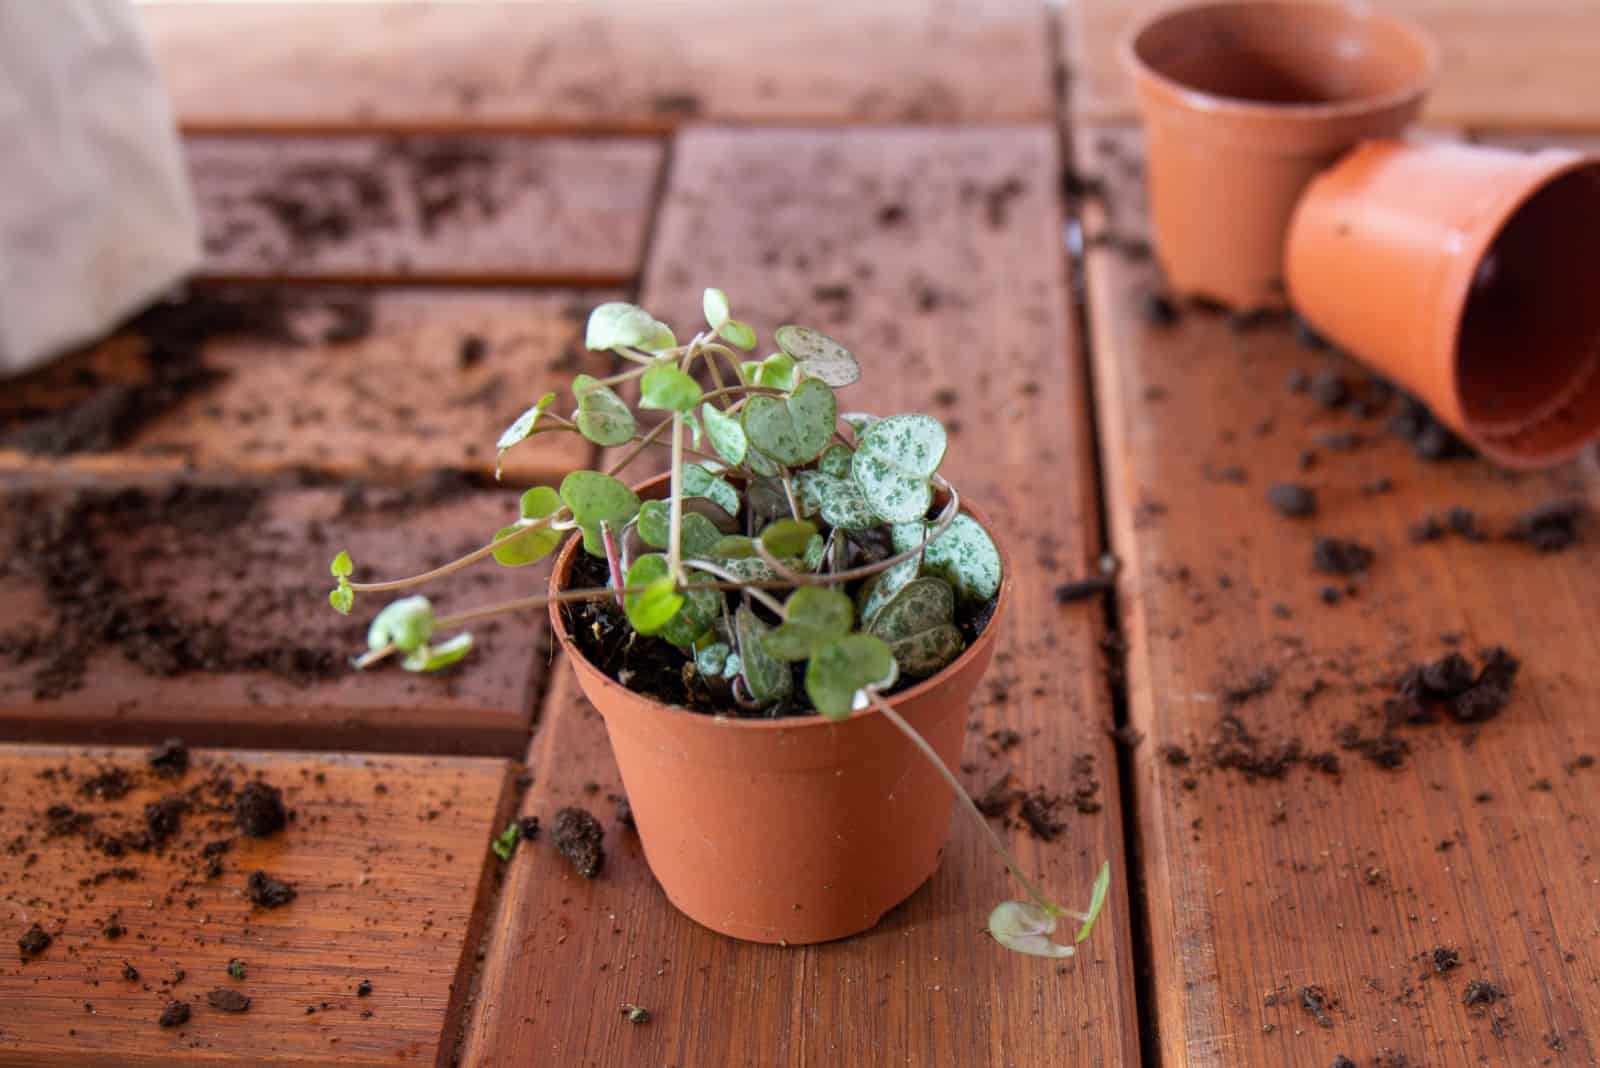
(96,219)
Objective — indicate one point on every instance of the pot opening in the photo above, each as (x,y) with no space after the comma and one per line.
(1528,354)
(1285,53)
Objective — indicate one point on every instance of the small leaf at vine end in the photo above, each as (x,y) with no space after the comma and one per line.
(740,335)
(602,417)
(1102,884)
(715,304)
(529,547)
(817,355)
(342,566)
(437,657)
(519,430)
(653,607)
(813,618)
(342,598)
(841,669)
(1024,927)
(507,840)
(539,502)
(665,388)
(726,434)
(406,624)
(617,324)
(787,537)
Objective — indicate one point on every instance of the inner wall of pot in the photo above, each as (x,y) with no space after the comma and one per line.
(1283,53)
(1528,351)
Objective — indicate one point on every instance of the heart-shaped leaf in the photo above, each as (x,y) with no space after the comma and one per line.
(838,500)
(725,432)
(880,589)
(739,335)
(619,325)
(595,498)
(436,657)
(342,566)
(652,609)
(835,460)
(841,668)
(342,598)
(406,624)
(1026,928)
(717,661)
(918,625)
(699,482)
(602,416)
(792,430)
(774,372)
(767,678)
(788,537)
(539,502)
(655,528)
(813,617)
(893,462)
(518,431)
(665,388)
(964,556)
(817,355)
(715,303)
(533,545)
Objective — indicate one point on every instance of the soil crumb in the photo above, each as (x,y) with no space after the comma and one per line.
(578,837)
(34,941)
(1551,527)
(1338,556)
(258,810)
(176,1014)
(267,892)
(224,1000)
(170,759)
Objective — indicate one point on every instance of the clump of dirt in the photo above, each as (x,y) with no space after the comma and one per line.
(1550,527)
(258,810)
(1317,1003)
(1387,750)
(1038,814)
(268,892)
(1443,959)
(1481,992)
(225,1000)
(34,941)
(1469,695)
(111,784)
(175,1014)
(1338,556)
(170,759)
(163,818)
(578,837)
(1292,499)
(1429,439)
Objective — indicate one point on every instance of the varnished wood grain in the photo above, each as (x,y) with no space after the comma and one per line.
(1482,843)
(426,379)
(502,209)
(597,64)
(387,856)
(936,258)
(1502,65)
(185,615)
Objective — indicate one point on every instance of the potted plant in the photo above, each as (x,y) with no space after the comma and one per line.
(782,633)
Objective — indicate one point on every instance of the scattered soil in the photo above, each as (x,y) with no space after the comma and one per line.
(163,819)
(1157,309)
(1292,499)
(267,892)
(225,1000)
(112,784)
(364,988)
(578,836)
(1329,389)
(1429,439)
(1443,959)
(1084,589)
(176,1014)
(169,759)
(1317,1002)
(1387,750)
(1038,814)
(1451,683)
(1175,755)
(1481,992)
(258,810)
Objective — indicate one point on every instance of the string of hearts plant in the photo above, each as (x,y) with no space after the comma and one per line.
(791,534)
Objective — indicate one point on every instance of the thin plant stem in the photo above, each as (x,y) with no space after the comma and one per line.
(613,558)
(675,505)
(728,576)
(371,657)
(456,565)
(967,803)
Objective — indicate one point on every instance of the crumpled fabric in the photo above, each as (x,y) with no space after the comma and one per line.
(96,217)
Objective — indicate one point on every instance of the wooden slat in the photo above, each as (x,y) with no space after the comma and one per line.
(410,392)
(1500,64)
(1481,843)
(479,209)
(387,858)
(205,615)
(936,257)
(597,64)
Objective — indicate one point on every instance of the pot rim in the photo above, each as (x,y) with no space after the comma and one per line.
(816,721)
(1254,110)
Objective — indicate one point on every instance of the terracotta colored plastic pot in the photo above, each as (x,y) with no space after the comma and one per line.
(1470,276)
(794,830)
(1243,102)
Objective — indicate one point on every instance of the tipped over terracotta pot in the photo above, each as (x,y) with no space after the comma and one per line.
(791,830)
(1470,276)
(1243,102)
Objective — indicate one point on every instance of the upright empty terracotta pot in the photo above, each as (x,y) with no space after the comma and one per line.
(1243,102)
(794,830)
(1470,276)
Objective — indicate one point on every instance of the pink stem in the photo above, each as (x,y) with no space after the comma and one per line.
(613,558)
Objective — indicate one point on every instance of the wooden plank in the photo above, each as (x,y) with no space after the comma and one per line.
(1500,64)
(597,64)
(203,614)
(386,857)
(387,383)
(1480,843)
(935,256)
(477,209)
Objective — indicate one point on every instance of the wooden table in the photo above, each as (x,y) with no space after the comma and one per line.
(408,210)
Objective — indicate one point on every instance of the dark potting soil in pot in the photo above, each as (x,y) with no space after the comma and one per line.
(660,670)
